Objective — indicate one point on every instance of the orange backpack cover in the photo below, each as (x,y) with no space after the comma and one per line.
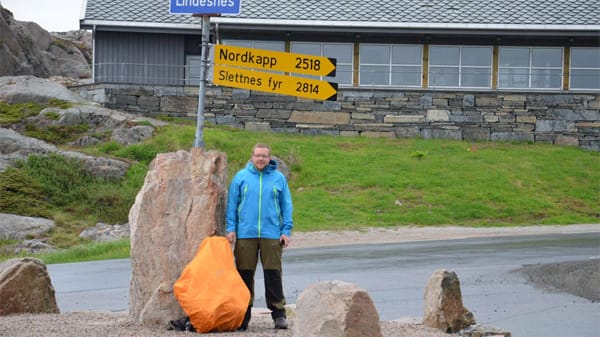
(210,289)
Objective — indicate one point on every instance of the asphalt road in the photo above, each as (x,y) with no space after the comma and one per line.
(395,276)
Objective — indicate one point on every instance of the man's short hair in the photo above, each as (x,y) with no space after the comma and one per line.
(261,146)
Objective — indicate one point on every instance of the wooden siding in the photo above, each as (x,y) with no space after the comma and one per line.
(139,58)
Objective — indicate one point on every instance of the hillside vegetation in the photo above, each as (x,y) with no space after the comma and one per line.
(336,182)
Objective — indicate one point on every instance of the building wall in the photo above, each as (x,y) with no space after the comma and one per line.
(558,118)
(139,58)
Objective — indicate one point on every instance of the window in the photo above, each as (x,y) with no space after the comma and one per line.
(585,68)
(342,52)
(530,68)
(460,66)
(390,65)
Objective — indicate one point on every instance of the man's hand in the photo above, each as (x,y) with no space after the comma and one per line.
(284,241)
(231,237)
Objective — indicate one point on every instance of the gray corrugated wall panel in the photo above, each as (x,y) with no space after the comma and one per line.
(140,58)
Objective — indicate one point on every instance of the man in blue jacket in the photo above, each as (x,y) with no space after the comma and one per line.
(259,221)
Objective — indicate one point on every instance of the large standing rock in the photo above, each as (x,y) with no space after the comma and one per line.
(182,202)
(336,309)
(443,303)
(25,287)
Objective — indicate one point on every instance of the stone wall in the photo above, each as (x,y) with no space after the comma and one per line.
(557,118)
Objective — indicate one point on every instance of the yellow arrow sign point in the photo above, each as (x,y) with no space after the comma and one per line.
(274,60)
(274,83)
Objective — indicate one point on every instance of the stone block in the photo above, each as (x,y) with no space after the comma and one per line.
(488,101)
(362,116)
(566,140)
(477,134)
(402,119)
(178,104)
(438,115)
(273,114)
(257,126)
(408,132)
(526,119)
(312,117)
(378,134)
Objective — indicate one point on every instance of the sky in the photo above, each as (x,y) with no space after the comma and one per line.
(52,15)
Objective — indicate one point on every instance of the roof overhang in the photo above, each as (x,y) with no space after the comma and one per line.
(236,24)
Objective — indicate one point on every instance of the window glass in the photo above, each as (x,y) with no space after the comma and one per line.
(476,56)
(405,55)
(443,77)
(475,77)
(404,75)
(374,54)
(546,57)
(439,55)
(374,75)
(585,68)
(269,45)
(514,57)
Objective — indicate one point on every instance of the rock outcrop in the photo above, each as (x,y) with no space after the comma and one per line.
(444,308)
(25,287)
(106,232)
(16,227)
(28,49)
(336,309)
(182,202)
(14,146)
(31,89)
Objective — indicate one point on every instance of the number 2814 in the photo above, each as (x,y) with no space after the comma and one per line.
(307,87)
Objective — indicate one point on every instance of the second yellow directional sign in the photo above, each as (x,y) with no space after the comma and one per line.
(274,83)
(274,60)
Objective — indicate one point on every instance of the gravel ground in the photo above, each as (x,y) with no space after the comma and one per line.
(101,324)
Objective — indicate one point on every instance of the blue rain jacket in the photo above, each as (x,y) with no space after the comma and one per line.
(259,204)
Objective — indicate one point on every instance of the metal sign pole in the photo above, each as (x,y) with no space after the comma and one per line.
(199,140)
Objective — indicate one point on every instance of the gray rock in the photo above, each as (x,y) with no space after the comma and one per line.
(30,89)
(17,227)
(27,49)
(25,287)
(136,134)
(444,308)
(33,247)
(105,232)
(336,308)
(14,146)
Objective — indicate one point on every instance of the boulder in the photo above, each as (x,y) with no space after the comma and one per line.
(336,309)
(444,308)
(25,287)
(33,247)
(182,202)
(17,227)
(105,232)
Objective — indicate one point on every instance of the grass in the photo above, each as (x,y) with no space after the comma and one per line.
(336,183)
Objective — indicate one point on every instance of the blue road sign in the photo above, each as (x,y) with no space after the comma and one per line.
(205,6)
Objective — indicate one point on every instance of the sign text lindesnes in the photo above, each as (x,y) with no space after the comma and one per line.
(204,3)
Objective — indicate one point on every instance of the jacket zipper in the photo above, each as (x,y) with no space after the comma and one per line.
(259,202)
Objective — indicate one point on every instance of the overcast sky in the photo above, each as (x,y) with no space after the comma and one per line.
(52,15)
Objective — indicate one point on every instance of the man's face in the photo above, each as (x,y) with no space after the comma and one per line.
(260,158)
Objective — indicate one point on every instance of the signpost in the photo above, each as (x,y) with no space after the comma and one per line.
(274,83)
(274,60)
(204,8)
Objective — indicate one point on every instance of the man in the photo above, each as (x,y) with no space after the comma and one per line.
(259,221)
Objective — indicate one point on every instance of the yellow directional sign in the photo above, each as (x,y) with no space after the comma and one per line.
(274,60)
(274,83)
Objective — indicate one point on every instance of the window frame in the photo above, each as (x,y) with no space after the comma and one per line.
(390,65)
(572,68)
(460,67)
(530,68)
